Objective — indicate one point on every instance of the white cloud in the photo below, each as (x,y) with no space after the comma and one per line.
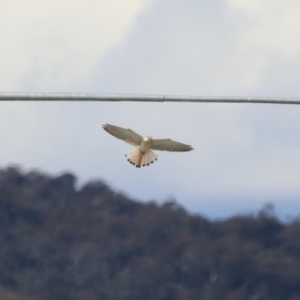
(48,45)
(219,48)
(271,26)
(267,32)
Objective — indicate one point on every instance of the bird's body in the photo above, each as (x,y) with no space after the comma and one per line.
(143,155)
(145,144)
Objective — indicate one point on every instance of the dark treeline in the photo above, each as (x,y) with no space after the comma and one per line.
(59,242)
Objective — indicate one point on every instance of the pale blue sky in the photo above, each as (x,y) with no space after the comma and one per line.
(245,155)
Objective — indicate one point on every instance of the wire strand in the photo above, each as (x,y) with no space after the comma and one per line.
(85,97)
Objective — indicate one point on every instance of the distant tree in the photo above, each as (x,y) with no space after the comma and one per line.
(62,242)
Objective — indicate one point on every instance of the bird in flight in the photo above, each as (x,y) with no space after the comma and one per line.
(143,155)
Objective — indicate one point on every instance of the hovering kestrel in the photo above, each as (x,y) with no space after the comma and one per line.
(142,155)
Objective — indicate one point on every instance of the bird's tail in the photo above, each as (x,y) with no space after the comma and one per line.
(138,159)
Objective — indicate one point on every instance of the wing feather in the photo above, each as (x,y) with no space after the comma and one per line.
(169,145)
(124,134)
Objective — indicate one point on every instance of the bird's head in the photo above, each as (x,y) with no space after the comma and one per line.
(147,139)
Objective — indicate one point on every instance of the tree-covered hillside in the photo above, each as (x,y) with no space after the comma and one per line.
(59,242)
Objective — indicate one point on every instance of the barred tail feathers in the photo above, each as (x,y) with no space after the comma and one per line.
(138,159)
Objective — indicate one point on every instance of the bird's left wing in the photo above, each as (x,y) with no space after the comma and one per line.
(169,145)
(124,134)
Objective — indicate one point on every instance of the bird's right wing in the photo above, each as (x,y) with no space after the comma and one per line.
(169,145)
(124,134)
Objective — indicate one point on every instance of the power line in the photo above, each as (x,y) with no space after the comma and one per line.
(85,97)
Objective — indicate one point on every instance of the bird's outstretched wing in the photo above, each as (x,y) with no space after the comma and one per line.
(124,134)
(169,145)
